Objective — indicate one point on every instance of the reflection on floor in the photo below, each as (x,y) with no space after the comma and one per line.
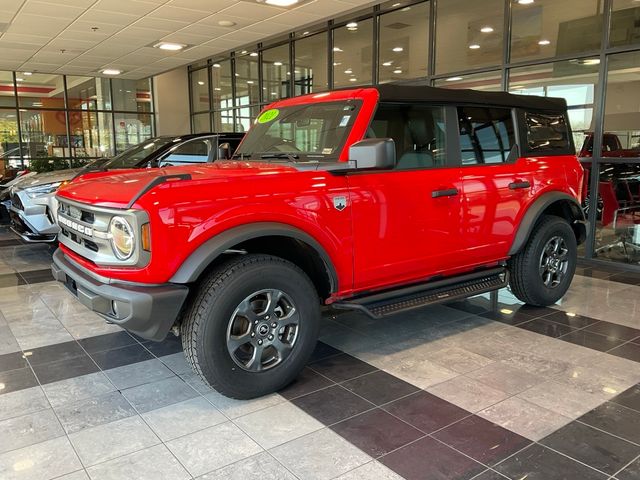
(484,388)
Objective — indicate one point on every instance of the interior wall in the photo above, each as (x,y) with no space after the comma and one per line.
(171,97)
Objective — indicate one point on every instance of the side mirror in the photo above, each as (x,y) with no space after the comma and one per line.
(224,151)
(378,153)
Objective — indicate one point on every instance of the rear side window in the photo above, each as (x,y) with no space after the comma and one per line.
(486,135)
(547,133)
(193,151)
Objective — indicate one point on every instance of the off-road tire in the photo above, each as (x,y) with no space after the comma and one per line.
(525,279)
(205,322)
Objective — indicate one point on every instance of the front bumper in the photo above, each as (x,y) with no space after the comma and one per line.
(34,219)
(147,311)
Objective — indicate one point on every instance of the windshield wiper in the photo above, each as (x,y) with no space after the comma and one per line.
(241,156)
(292,157)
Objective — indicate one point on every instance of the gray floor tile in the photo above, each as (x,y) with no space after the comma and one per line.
(467,393)
(279,424)
(176,363)
(138,374)
(321,455)
(505,378)
(159,394)
(29,429)
(213,448)
(155,463)
(8,343)
(233,408)
(183,418)
(79,475)
(459,359)
(259,467)
(78,388)
(112,440)
(21,402)
(41,461)
(371,470)
(563,399)
(91,412)
(196,382)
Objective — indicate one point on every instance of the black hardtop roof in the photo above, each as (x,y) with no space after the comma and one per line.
(190,136)
(407,93)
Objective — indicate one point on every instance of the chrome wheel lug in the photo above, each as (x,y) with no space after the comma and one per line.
(267,317)
(253,334)
(270,337)
(274,325)
(259,342)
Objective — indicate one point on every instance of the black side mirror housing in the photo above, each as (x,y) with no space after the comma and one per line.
(373,153)
(224,151)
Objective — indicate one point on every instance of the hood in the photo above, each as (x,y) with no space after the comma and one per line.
(116,190)
(47,177)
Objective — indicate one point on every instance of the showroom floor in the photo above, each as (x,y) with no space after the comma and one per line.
(484,389)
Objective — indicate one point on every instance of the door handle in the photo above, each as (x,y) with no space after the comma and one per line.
(517,185)
(449,192)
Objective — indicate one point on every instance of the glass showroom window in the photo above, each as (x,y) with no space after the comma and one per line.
(44,138)
(131,129)
(40,90)
(487,81)
(245,117)
(574,80)
(247,81)
(547,28)
(469,34)
(201,123)
(404,43)
(7,96)
(625,19)
(311,64)
(91,134)
(87,93)
(221,84)
(223,121)
(132,95)
(9,146)
(200,90)
(352,52)
(276,73)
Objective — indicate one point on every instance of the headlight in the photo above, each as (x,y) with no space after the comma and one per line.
(122,238)
(40,190)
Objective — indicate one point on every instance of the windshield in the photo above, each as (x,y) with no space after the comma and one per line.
(314,132)
(134,156)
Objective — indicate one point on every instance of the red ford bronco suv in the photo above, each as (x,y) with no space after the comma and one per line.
(376,199)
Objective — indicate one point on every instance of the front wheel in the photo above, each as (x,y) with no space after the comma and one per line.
(252,326)
(542,271)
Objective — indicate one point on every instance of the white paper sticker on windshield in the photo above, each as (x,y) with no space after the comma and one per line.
(327,151)
(345,120)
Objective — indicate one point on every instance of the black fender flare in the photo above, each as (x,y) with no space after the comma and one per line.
(206,253)
(536,210)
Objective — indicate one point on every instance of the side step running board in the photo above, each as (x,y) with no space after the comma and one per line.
(395,301)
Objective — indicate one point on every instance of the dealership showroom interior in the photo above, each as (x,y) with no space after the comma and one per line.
(320,239)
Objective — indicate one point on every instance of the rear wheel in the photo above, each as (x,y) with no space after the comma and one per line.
(252,326)
(542,272)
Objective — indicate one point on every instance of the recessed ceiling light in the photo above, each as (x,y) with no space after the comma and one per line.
(335,64)
(590,61)
(405,9)
(217,89)
(280,3)
(348,71)
(250,82)
(226,23)
(387,64)
(27,73)
(277,64)
(397,70)
(244,52)
(352,25)
(216,65)
(453,79)
(525,2)
(398,49)
(396,4)
(19,79)
(173,47)
(544,42)
(337,49)
(486,29)
(305,33)
(474,46)
(111,71)
(353,79)
(200,82)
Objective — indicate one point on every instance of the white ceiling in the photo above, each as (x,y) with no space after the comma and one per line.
(57,36)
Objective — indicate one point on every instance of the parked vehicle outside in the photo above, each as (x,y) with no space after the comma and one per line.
(34,207)
(379,200)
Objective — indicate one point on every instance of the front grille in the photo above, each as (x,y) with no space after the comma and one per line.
(16,202)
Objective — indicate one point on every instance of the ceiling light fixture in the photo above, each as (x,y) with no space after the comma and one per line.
(525,2)
(253,54)
(387,64)
(353,79)
(27,73)
(216,65)
(226,23)
(486,29)
(397,71)
(280,3)
(337,49)
(544,42)
(453,79)
(352,25)
(277,64)
(111,71)
(398,49)
(590,61)
(200,82)
(348,71)
(474,46)
(172,47)
(19,79)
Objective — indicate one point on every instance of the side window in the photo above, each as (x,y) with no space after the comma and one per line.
(486,134)
(418,132)
(194,151)
(547,133)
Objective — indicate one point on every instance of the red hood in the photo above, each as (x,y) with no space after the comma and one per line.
(123,186)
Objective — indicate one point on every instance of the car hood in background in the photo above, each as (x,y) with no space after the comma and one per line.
(48,177)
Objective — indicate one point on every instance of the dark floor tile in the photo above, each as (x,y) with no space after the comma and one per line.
(546,327)
(332,405)
(508,316)
(592,447)
(536,311)
(9,243)
(308,381)
(630,398)
(376,432)
(429,459)
(615,419)
(540,463)
(18,379)
(632,472)
(490,475)
(573,320)
(593,273)
(168,346)
(630,351)
(121,356)
(426,412)
(628,278)
(37,276)
(55,353)
(592,340)
(323,350)
(62,370)
(482,440)
(613,330)
(380,387)
(108,341)
(342,367)
(12,361)
(470,305)
(11,280)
